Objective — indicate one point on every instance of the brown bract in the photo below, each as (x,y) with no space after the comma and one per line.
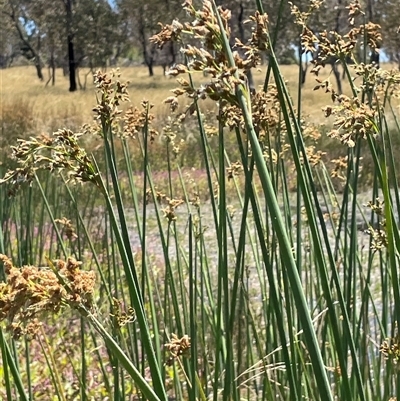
(352,120)
(210,57)
(178,347)
(30,292)
(390,348)
(59,152)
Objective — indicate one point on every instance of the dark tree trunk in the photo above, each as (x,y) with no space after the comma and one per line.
(374,59)
(242,38)
(53,74)
(148,57)
(337,76)
(304,66)
(170,57)
(71,63)
(172,53)
(33,54)
(38,61)
(150,68)
(71,56)
(38,67)
(52,70)
(303,72)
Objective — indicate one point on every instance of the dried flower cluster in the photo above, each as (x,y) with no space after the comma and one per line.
(353,120)
(60,152)
(266,114)
(378,236)
(193,192)
(211,57)
(111,94)
(121,316)
(170,210)
(314,156)
(31,292)
(234,170)
(390,348)
(331,45)
(170,131)
(67,227)
(170,204)
(225,76)
(339,168)
(178,347)
(378,233)
(378,81)
(63,152)
(134,121)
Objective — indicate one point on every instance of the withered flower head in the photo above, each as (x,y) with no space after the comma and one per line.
(30,292)
(110,94)
(121,316)
(352,120)
(390,348)
(234,170)
(68,228)
(210,25)
(168,33)
(61,152)
(178,347)
(135,121)
(169,211)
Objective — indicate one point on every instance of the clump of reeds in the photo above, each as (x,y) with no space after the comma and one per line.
(277,301)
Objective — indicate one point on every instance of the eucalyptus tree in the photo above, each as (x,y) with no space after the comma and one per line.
(388,16)
(142,21)
(28,29)
(9,43)
(99,35)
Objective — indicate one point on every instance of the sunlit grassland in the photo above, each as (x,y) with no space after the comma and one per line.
(30,108)
(53,105)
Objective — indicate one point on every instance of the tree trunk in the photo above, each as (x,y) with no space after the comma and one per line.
(71,63)
(337,76)
(150,68)
(35,54)
(148,57)
(374,59)
(52,70)
(242,38)
(172,53)
(71,56)
(38,67)
(303,71)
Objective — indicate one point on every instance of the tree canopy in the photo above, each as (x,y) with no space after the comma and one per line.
(106,33)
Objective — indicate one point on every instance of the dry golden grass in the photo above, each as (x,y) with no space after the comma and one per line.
(54,106)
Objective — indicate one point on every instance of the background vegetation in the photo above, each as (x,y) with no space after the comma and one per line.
(108,33)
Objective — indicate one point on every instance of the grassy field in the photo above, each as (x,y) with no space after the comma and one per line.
(55,106)
(30,108)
